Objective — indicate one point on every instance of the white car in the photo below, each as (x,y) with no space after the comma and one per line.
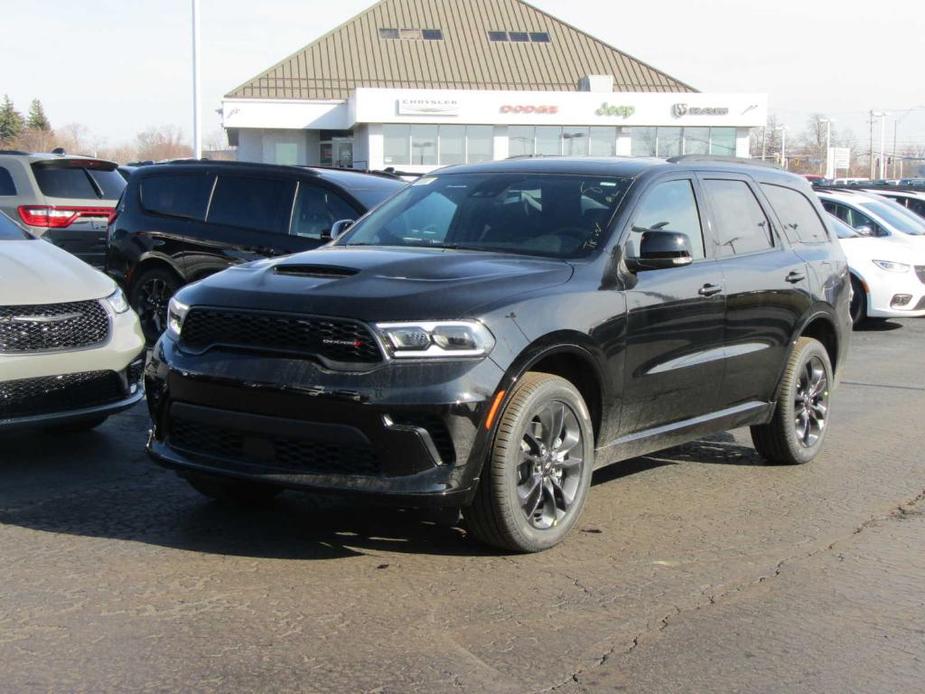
(887,278)
(71,350)
(873,215)
(911,200)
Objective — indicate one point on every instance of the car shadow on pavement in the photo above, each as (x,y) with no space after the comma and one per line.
(89,485)
(877,326)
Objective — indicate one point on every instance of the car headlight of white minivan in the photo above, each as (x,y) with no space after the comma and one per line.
(436,339)
(176,314)
(117,301)
(891,266)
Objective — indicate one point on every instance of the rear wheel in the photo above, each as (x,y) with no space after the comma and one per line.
(150,297)
(797,431)
(858,302)
(534,485)
(233,491)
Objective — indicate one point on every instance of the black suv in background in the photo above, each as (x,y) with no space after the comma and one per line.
(179,222)
(493,333)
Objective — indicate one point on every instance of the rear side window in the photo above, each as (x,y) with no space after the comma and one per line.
(316,210)
(669,206)
(182,195)
(741,225)
(796,213)
(264,204)
(65,183)
(7,187)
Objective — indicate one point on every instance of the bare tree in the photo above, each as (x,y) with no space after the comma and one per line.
(159,143)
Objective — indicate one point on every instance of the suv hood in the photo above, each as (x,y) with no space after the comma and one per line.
(36,272)
(859,250)
(375,284)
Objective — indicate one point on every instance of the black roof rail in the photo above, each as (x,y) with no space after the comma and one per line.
(12,151)
(717,159)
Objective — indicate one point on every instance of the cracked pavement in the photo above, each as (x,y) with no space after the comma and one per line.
(695,569)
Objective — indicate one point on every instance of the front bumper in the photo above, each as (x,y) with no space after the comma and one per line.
(411,434)
(884,289)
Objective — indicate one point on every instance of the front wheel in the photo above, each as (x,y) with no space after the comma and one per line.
(797,431)
(150,297)
(534,485)
(858,302)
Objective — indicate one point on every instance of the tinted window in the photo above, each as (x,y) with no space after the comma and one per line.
(897,216)
(550,215)
(10,231)
(741,226)
(796,213)
(7,187)
(65,182)
(110,183)
(253,203)
(316,210)
(669,206)
(181,195)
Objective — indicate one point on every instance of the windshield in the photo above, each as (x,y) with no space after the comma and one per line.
(842,230)
(554,215)
(11,231)
(896,216)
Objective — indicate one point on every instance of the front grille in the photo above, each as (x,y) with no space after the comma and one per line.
(920,271)
(50,394)
(272,452)
(332,339)
(48,327)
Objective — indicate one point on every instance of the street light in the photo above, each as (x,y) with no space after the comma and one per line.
(882,116)
(197,124)
(829,170)
(783,145)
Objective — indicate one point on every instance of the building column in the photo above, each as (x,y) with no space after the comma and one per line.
(375,146)
(743,142)
(501,143)
(624,142)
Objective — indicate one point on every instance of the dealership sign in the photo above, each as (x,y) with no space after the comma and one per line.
(621,111)
(428,107)
(681,110)
(549,110)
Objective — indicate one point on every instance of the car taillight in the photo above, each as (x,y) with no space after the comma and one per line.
(56,217)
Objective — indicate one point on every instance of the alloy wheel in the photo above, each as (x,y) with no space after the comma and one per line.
(549,475)
(811,402)
(153,299)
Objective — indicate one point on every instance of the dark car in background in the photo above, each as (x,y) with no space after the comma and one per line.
(67,200)
(180,222)
(493,333)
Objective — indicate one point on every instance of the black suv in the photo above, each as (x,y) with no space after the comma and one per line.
(492,334)
(179,222)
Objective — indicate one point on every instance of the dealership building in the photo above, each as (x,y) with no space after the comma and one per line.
(417,84)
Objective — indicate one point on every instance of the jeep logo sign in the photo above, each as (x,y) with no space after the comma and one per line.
(681,110)
(622,111)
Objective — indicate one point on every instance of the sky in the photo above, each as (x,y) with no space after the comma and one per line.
(120,66)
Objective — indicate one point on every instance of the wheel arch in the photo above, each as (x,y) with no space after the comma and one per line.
(151,261)
(821,325)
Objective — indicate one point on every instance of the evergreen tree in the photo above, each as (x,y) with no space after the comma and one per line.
(11,121)
(37,119)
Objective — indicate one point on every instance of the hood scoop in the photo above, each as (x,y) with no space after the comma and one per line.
(325,272)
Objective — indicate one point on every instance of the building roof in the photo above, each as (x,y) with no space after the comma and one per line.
(355,55)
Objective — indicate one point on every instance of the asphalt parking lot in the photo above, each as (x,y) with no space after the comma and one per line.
(697,569)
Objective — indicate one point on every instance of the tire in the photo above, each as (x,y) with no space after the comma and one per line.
(233,492)
(797,431)
(543,452)
(150,295)
(858,302)
(78,426)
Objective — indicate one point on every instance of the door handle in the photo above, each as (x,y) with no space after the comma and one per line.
(795,277)
(710,290)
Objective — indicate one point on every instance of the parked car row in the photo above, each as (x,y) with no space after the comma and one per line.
(481,339)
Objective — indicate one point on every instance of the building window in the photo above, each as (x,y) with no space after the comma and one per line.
(396,144)
(669,142)
(452,144)
(480,143)
(497,36)
(575,142)
(519,36)
(548,140)
(723,142)
(424,145)
(696,140)
(520,140)
(539,37)
(411,34)
(602,142)
(643,142)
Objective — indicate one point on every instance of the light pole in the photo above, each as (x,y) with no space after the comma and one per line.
(197,111)
(827,167)
(882,116)
(783,145)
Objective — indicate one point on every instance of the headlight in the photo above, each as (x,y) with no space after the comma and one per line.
(890,266)
(436,339)
(117,301)
(176,314)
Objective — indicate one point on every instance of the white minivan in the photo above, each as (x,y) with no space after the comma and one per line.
(71,350)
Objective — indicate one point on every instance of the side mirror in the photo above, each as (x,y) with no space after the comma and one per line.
(660,250)
(338,229)
(865,230)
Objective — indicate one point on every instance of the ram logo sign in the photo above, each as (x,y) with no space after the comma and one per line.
(681,110)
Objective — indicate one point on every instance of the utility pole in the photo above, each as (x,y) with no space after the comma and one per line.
(764,142)
(197,110)
(783,145)
(871,143)
(828,147)
(882,116)
(895,130)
